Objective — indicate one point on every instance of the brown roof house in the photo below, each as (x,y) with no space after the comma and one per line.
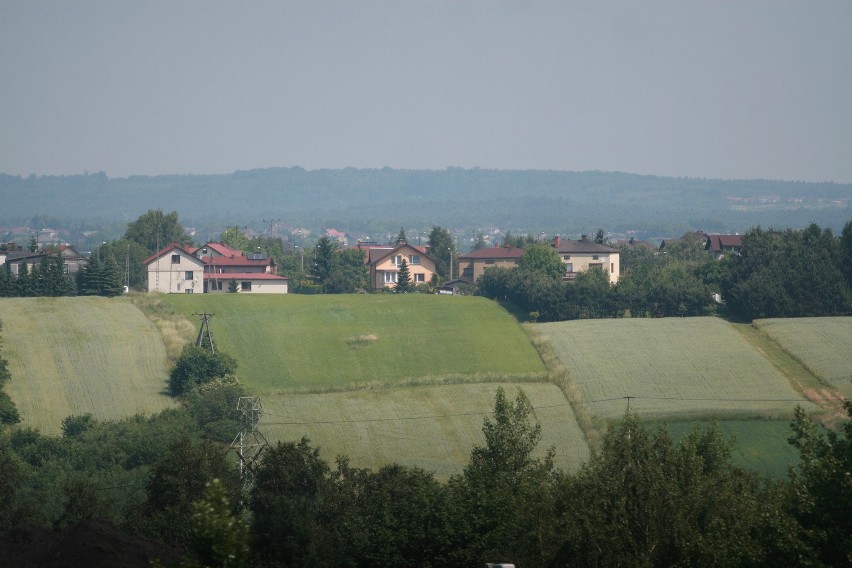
(473,264)
(384,261)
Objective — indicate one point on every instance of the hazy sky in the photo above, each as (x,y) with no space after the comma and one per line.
(737,89)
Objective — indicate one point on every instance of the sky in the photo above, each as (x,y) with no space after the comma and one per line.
(712,89)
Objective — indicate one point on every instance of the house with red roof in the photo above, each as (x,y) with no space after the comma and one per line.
(212,268)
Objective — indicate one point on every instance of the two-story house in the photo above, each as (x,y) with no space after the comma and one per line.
(583,254)
(384,262)
(577,255)
(211,269)
(473,264)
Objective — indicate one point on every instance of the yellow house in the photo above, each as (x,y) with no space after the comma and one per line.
(473,264)
(384,263)
(584,254)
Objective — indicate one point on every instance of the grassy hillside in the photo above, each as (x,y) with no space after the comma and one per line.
(821,345)
(287,343)
(432,427)
(78,355)
(671,367)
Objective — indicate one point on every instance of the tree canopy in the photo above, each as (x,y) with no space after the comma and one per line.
(155,229)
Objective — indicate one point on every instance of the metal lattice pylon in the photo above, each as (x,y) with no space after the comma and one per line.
(250,442)
(204,338)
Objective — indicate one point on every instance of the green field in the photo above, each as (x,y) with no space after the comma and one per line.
(292,343)
(759,444)
(821,345)
(77,355)
(672,367)
(409,379)
(431,427)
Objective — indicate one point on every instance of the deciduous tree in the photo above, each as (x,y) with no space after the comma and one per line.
(155,229)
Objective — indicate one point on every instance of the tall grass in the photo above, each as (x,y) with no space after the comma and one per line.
(431,427)
(81,355)
(176,330)
(822,345)
(674,367)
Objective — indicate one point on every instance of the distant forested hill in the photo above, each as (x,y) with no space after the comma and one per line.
(377,201)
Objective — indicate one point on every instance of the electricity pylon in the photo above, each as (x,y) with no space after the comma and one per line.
(204,338)
(250,442)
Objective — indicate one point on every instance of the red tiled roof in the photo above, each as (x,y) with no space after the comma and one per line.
(169,248)
(237,261)
(242,276)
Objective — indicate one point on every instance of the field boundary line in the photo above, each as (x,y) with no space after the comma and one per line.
(424,381)
(804,381)
(593,428)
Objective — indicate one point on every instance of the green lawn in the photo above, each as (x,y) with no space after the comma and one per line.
(675,367)
(821,345)
(78,355)
(288,343)
(431,427)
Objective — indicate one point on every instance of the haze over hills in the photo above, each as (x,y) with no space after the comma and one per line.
(376,201)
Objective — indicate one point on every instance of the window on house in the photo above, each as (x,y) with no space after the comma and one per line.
(396,260)
(612,267)
(217,285)
(566,257)
(245,286)
(390,277)
(419,278)
(175,259)
(188,291)
(188,275)
(414,259)
(569,267)
(594,257)
(468,272)
(489,261)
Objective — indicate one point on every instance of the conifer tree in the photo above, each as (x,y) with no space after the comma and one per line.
(111,279)
(24,284)
(403,279)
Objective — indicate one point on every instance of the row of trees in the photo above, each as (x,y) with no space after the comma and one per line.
(777,274)
(100,277)
(644,499)
(790,273)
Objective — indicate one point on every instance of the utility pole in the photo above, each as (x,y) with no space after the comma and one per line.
(250,442)
(271,223)
(204,333)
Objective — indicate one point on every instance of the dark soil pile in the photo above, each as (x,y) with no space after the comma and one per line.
(93,544)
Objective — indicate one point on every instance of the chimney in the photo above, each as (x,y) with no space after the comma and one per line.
(556,242)
(584,237)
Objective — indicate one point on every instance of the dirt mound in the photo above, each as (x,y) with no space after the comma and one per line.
(93,544)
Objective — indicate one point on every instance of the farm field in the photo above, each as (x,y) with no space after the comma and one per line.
(821,345)
(77,355)
(431,427)
(759,444)
(671,367)
(293,343)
